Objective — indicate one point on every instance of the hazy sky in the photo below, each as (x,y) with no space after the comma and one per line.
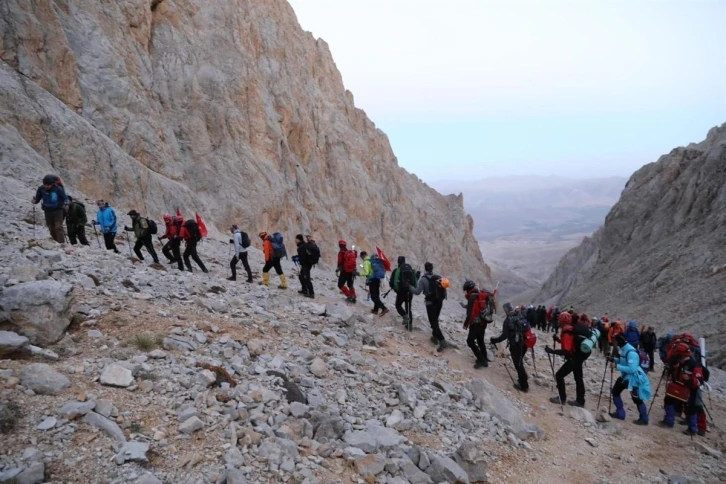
(473,88)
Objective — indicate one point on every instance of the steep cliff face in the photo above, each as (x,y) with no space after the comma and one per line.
(659,258)
(228,108)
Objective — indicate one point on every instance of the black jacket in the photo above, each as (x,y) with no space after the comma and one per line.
(302,254)
(509,330)
(648,340)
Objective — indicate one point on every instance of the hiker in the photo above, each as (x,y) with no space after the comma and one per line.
(309,254)
(603,326)
(632,378)
(686,376)
(402,296)
(106,220)
(346,271)
(76,220)
(170,234)
(191,235)
(374,271)
(54,204)
(142,229)
(555,319)
(633,335)
(512,331)
(272,259)
(542,318)
(648,340)
(241,242)
(571,339)
(433,287)
(479,309)
(616,328)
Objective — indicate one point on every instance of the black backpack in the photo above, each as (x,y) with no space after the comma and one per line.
(407,276)
(521,327)
(193,228)
(436,292)
(153,229)
(246,242)
(313,252)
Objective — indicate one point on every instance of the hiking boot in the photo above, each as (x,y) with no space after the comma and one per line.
(283,282)
(640,422)
(702,433)
(442,345)
(517,386)
(384,312)
(574,403)
(231,278)
(434,340)
(374,311)
(616,416)
(309,296)
(665,424)
(302,291)
(556,400)
(688,432)
(249,281)
(480,364)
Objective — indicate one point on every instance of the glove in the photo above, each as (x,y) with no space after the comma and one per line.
(127,229)
(94,223)
(548,350)
(337,272)
(463,305)
(491,341)
(356,273)
(231,241)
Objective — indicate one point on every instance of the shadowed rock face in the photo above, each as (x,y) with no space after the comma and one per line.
(659,258)
(226,108)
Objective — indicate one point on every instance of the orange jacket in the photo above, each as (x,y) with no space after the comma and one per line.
(615,329)
(267,249)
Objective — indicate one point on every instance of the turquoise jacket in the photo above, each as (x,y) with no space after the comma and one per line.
(106,218)
(628,364)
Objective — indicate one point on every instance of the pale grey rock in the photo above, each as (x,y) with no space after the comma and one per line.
(582,415)
(107,426)
(47,424)
(445,469)
(73,410)
(11,342)
(33,474)
(191,425)
(318,368)
(132,452)
(472,460)
(43,379)
(116,375)
(177,343)
(150,479)
(374,438)
(372,464)
(39,310)
(488,398)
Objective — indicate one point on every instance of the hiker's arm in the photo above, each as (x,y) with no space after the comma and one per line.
(631,363)
(420,287)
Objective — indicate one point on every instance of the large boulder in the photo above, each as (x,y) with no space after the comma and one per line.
(12,343)
(43,379)
(488,398)
(40,310)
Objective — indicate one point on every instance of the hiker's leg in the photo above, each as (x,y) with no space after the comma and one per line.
(400,301)
(517,353)
(618,388)
(54,220)
(81,234)
(246,264)
(187,254)
(471,342)
(579,381)
(375,287)
(564,370)
(149,244)
(195,256)
(433,311)
(233,266)
(137,249)
(176,250)
(71,234)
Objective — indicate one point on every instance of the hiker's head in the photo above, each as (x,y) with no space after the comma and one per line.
(233,228)
(133,214)
(299,239)
(620,340)
(179,219)
(49,181)
(507,308)
(309,238)
(263,235)
(100,203)
(342,244)
(363,254)
(468,286)
(401,260)
(428,267)
(167,218)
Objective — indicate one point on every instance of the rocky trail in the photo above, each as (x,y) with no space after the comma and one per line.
(163,376)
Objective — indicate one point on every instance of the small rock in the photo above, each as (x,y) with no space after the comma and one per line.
(372,464)
(298,409)
(94,333)
(73,410)
(11,342)
(132,452)
(116,376)
(106,425)
(33,474)
(191,425)
(592,442)
(318,368)
(146,386)
(48,423)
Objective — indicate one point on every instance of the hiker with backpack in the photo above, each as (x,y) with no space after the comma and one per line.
(403,297)
(171,248)
(576,344)
(241,242)
(555,319)
(616,328)
(106,220)
(648,341)
(274,250)
(346,271)
(433,287)
(54,204)
(632,334)
(686,375)
(76,220)
(479,313)
(632,378)
(514,329)
(374,272)
(308,254)
(143,229)
(191,235)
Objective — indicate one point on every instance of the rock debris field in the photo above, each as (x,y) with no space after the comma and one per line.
(121,372)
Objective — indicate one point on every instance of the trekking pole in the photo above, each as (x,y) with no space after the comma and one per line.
(95,232)
(611,391)
(386,294)
(33,221)
(602,386)
(656,391)
(534,362)
(552,366)
(128,241)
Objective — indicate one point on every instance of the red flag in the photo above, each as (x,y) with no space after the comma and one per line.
(202,227)
(178,212)
(384,259)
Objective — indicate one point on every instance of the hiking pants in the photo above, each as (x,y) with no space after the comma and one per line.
(517,352)
(108,239)
(374,286)
(572,365)
(401,298)
(433,310)
(305,281)
(233,265)
(148,244)
(191,251)
(168,252)
(650,353)
(621,385)
(77,231)
(475,340)
(274,262)
(175,245)
(345,278)
(54,221)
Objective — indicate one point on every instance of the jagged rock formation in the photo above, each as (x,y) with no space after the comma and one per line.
(228,108)
(659,257)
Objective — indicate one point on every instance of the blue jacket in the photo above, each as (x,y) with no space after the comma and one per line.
(53,199)
(631,372)
(106,218)
(632,334)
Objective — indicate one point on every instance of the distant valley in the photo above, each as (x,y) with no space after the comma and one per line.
(525,225)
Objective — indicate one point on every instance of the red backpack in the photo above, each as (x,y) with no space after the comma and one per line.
(568,338)
(483,308)
(349,260)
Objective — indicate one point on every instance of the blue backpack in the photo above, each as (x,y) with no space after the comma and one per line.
(278,246)
(379,271)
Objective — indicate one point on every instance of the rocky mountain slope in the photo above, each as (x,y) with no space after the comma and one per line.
(164,376)
(226,108)
(658,259)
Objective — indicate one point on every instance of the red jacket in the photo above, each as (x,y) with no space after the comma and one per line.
(267,249)
(172,230)
(341,254)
